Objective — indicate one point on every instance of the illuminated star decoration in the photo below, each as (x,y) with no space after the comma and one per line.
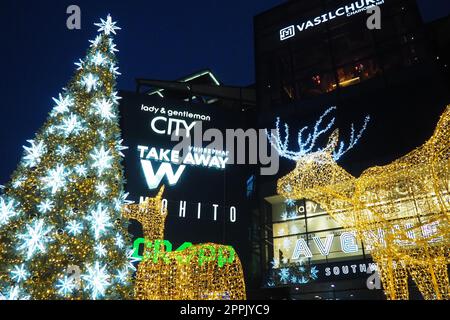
(62,104)
(79,64)
(100,220)
(121,148)
(303,280)
(101,188)
(284,274)
(70,125)
(98,59)
(55,179)
(50,130)
(112,46)
(314,272)
(114,70)
(115,98)
(122,200)
(65,286)
(107,26)
(102,134)
(45,206)
(62,150)
(97,280)
(81,170)
(292,215)
(119,241)
(102,159)
(100,250)
(14,293)
(34,153)
(74,227)
(131,259)
(7,210)
(275,263)
(18,182)
(19,273)
(104,109)
(289,202)
(35,238)
(122,276)
(90,82)
(96,41)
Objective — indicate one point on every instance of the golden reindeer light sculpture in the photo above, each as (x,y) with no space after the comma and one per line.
(191,274)
(400,210)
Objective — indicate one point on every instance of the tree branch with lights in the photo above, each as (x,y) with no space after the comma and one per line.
(62,208)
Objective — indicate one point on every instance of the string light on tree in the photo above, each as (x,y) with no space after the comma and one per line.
(45,206)
(74,227)
(100,220)
(102,159)
(34,153)
(104,109)
(65,286)
(55,179)
(35,238)
(19,273)
(90,82)
(63,103)
(97,280)
(7,210)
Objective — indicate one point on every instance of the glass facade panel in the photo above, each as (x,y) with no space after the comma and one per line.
(310,221)
(333,55)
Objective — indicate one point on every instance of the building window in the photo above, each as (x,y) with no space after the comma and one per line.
(357,72)
(306,220)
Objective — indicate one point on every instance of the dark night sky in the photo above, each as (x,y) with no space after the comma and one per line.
(159,40)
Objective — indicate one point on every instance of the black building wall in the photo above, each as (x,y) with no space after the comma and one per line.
(402,84)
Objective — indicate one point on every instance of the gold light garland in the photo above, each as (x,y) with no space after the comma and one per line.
(181,276)
(400,210)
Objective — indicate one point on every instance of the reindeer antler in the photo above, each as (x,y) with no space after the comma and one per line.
(307,146)
(353,141)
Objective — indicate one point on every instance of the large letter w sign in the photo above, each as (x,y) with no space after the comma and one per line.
(165,169)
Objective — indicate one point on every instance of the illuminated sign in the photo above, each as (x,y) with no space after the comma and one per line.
(169,159)
(348,242)
(348,10)
(159,249)
(205,194)
(345,270)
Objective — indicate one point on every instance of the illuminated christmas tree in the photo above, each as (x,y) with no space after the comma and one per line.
(61,231)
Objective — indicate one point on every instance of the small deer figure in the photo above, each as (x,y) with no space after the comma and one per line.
(182,275)
(400,210)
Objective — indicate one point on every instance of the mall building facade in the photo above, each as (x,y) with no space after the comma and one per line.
(310,55)
(314,54)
